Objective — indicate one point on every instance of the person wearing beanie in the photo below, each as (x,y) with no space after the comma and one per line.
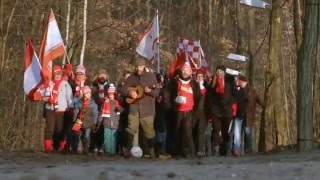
(79,82)
(253,100)
(141,113)
(58,99)
(200,118)
(84,121)
(110,113)
(241,98)
(100,87)
(219,100)
(184,96)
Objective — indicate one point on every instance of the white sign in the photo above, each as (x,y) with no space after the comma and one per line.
(233,72)
(236,57)
(255,3)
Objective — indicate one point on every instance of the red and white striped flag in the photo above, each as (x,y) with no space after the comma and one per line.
(52,47)
(147,44)
(32,75)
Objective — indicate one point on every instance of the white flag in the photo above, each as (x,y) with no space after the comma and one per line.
(147,44)
(232,72)
(236,57)
(32,74)
(255,3)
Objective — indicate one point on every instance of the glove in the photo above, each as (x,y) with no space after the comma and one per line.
(77,126)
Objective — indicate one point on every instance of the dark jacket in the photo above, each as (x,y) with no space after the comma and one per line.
(95,92)
(146,106)
(160,117)
(253,99)
(220,105)
(90,116)
(171,92)
(113,121)
(241,98)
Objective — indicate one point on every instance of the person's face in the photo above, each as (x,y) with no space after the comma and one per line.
(87,95)
(243,84)
(140,69)
(185,72)
(200,77)
(102,77)
(111,96)
(237,81)
(57,75)
(220,73)
(80,77)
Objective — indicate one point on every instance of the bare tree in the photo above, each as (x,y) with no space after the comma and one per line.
(84,31)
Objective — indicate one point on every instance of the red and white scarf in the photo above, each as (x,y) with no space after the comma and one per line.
(83,109)
(106,108)
(101,91)
(55,92)
(202,88)
(79,87)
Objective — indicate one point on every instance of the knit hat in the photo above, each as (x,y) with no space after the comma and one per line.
(68,67)
(221,67)
(243,78)
(80,69)
(200,71)
(140,62)
(56,69)
(102,71)
(111,89)
(86,89)
(187,66)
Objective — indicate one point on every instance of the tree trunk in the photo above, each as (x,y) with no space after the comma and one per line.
(252,44)
(200,16)
(242,24)
(67,33)
(305,75)
(84,31)
(297,23)
(273,130)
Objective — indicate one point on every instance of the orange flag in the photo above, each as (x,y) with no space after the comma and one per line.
(52,47)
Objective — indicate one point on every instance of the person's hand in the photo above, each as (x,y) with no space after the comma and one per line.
(133,94)
(147,90)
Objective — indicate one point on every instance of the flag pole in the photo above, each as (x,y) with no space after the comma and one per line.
(158,32)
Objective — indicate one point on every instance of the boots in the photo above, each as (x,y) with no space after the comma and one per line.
(126,151)
(151,148)
(217,151)
(62,145)
(47,146)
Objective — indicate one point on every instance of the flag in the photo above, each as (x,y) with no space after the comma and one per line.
(52,47)
(255,3)
(232,72)
(177,63)
(146,46)
(236,57)
(32,75)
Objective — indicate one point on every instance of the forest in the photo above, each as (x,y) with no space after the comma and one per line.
(281,42)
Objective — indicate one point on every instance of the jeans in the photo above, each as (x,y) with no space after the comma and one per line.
(248,139)
(237,131)
(84,135)
(110,140)
(162,140)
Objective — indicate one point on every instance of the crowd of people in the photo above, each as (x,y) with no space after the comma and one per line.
(149,114)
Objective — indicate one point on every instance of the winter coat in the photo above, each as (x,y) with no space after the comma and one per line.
(220,105)
(113,121)
(253,99)
(65,96)
(146,106)
(241,98)
(171,92)
(90,116)
(95,92)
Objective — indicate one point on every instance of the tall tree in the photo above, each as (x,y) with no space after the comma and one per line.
(84,31)
(272,129)
(306,68)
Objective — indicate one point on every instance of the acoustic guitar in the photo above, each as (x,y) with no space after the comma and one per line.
(140,93)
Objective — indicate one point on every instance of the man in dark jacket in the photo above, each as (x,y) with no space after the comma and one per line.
(220,100)
(184,97)
(241,110)
(253,99)
(143,110)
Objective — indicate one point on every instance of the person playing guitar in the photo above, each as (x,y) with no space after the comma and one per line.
(142,112)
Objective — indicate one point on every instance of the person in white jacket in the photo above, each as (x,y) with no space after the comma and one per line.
(58,99)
